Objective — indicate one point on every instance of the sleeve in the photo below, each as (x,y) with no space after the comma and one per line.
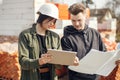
(66,45)
(23,49)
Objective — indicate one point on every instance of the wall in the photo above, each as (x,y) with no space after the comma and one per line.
(0,1)
(15,15)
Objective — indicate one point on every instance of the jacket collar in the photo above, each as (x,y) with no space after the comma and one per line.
(85,29)
(34,31)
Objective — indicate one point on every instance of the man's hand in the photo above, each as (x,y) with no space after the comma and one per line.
(117,62)
(76,61)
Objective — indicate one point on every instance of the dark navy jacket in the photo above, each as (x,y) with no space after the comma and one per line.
(81,41)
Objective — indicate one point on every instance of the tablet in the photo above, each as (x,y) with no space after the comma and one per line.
(62,57)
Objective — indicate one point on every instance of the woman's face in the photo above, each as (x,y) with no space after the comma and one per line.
(48,23)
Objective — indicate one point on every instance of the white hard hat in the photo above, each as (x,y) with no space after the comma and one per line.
(49,9)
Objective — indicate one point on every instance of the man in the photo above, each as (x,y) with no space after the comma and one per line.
(81,38)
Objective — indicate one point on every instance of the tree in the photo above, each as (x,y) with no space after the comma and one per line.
(86,2)
(113,5)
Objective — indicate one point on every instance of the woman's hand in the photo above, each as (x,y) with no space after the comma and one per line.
(45,58)
(76,61)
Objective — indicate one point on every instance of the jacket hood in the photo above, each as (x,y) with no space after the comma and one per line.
(71,30)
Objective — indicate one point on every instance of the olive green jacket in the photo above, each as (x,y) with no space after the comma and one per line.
(29,48)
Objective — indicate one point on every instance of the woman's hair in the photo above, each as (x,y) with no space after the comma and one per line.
(43,17)
(77,8)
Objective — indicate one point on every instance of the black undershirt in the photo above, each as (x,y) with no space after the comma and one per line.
(43,50)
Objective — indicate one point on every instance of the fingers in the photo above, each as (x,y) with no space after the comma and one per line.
(76,61)
(46,55)
(45,58)
(117,62)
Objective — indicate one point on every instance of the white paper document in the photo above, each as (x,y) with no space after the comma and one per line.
(97,62)
(62,57)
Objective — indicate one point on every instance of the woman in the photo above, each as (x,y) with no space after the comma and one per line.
(33,45)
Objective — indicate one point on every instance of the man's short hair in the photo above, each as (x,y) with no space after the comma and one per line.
(77,8)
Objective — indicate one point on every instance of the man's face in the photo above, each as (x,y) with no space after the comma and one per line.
(78,20)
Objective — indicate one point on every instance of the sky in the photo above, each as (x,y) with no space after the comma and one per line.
(99,4)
